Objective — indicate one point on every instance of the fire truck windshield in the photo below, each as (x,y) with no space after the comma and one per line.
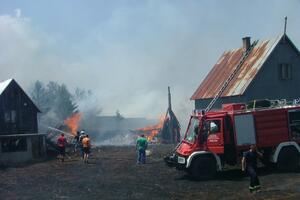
(192,130)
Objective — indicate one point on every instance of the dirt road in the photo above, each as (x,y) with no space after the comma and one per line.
(114,174)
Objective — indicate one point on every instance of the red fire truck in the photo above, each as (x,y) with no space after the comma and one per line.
(217,138)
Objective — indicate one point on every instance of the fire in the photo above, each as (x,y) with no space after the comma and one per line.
(153,130)
(73,122)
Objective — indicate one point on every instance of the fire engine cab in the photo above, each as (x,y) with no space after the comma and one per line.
(217,138)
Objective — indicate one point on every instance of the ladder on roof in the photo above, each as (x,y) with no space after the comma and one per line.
(226,83)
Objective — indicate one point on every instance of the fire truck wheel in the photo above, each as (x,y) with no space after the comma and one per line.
(203,168)
(288,159)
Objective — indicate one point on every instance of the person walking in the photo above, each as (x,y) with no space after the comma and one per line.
(76,141)
(61,144)
(141,146)
(81,136)
(86,148)
(249,164)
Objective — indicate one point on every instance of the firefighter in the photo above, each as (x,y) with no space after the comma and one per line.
(86,148)
(61,143)
(249,164)
(141,146)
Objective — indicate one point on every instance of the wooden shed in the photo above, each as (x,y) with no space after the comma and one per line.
(19,137)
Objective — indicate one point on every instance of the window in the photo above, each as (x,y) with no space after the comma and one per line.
(213,126)
(285,71)
(13,116)
(294,122)
(14,144)
(7,117)
(10,116)
(193,130)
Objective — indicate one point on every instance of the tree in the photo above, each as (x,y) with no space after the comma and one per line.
(54,100)
(52,93)
(39,96)
(64,106)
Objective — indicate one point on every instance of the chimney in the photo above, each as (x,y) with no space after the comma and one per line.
(246,43)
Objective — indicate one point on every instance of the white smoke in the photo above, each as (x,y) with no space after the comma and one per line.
(119,140)
(18,12)
(128,54)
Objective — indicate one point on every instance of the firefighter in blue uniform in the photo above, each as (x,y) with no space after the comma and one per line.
(249,164)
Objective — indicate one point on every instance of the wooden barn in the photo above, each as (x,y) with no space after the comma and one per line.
(19,137)
(271,70)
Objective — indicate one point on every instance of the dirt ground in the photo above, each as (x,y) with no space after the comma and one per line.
(113,174)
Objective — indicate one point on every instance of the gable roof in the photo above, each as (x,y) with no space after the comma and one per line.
(226,65)
(5,84)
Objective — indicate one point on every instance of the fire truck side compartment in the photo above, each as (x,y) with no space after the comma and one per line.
(271,127)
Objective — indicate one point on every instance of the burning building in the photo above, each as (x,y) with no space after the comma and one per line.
(151,132)
(167,130)
(69,128)
(73,122)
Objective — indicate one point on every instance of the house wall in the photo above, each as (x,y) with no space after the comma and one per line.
(268,83)
(16,157)
(203,103)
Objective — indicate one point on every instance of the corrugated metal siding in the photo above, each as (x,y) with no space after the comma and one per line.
(226,65)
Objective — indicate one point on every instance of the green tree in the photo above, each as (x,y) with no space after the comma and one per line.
(54,100)
(64,106)
(52,93)
(39,96)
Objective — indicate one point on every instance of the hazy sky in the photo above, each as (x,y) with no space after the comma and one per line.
(128,52)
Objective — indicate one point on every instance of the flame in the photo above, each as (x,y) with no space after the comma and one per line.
(152,130)
(73,122)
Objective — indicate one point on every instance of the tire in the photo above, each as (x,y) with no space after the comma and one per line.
(288,159)
(203,168)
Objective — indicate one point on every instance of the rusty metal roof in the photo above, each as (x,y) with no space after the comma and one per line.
(227,63)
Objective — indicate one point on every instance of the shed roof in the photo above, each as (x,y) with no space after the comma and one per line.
(226,65)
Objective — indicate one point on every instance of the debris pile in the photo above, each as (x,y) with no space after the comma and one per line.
(166,131)
(68,128)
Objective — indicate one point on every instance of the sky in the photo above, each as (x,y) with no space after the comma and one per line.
(129,51)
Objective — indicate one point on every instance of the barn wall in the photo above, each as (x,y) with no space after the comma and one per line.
(15,157)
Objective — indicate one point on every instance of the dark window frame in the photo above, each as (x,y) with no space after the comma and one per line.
(10,116)
(285,71)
